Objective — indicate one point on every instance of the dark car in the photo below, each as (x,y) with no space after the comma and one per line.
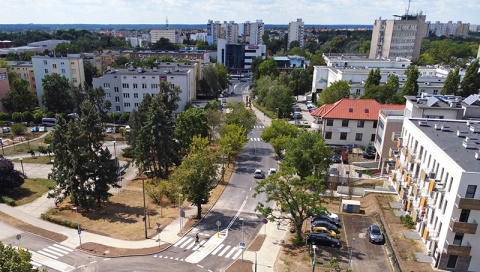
(327,219)
(321,239)
(374,234)
(337,158)
(320,223)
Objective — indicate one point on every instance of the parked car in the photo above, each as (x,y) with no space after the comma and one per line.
(259,174)
(110,130)
(34,129)
(324,230)
(296,115)
(42,129)
(337,158)
(328,219)
(321,239)
(5,129)
(333,216)
(374,234)
(325,224)
(272,171)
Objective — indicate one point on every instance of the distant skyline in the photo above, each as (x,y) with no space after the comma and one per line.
(323,12)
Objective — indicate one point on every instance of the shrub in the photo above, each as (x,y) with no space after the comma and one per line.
(17,117)
(407,219)
(7,200)
(298,241)
(4,116)
(128,152)
(63,222)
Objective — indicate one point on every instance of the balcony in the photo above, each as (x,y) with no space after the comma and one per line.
(393,152)
(463,227)
(404,151)
(467,203)
(460,250)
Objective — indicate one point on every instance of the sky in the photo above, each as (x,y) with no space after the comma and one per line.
(324,12)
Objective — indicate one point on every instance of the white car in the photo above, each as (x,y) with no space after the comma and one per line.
(272,171)
(5,129)
(110,130)
(42,129)
(332,216)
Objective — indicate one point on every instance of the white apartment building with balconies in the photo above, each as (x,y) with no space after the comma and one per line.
(296,32)
(437,175)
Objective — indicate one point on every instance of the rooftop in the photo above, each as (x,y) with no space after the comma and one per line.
(453,145)
(444,101)
(354,109)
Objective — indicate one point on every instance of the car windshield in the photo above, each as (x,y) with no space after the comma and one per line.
(375,231)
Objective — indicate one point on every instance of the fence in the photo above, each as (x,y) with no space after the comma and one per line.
(388,245)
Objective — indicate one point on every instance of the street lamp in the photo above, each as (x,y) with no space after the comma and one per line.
(144,203)
(243,236)
(21,162)
(314,261)
(351,252)
(116,162)
(48,150)
(78,227)
(180,211)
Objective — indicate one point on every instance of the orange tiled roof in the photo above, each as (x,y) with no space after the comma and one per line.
(356,109)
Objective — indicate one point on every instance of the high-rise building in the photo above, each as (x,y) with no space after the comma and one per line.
(401,37)
(255,32)
(213,31)
(448,29)
(230,32)
(296,32)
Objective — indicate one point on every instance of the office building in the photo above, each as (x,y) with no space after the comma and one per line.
(171,34)
(296,32)
(238,56)
(401,37)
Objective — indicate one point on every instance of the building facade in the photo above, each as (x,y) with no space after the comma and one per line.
(296,32)
(401,37)
(71,67)
(171,34)
(125,88)
(4,86)
(448,29)
(437,173)
(24,70)
(238,56)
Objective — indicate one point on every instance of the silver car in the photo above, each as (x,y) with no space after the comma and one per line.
(259,174)
(374,233)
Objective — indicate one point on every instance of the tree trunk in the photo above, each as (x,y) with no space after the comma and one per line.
(199,211)
(298,227)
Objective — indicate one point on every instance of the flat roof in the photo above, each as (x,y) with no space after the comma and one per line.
(450,143)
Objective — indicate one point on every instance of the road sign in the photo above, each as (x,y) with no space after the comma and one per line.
(182,213)
(219,223)
(242,245)
(265,221)
(19,236)
(79,231)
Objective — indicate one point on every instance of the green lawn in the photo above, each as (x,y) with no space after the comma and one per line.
(37,159)
(23,148)
(29,191)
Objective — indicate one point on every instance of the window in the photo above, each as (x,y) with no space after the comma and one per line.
(74,71)
(360,123)
(135,95)
(343,136)
(471,191)
(372,138)
(358,136)
(117,108)
(464,215)
(116,89)
(45,62)
(435,92)
(375,124)
(74,80)
(136,105)
(54,66)
(450,185)
(329,122)
(457,240)
(108,95)
(144,85)
(357,92)
(154,86)
(445,206)
(117,99)
(135,85)
(172,86)
(344,123)
(126,105)
(126,85)
(452,261)
(126,95)
(106,85)
(63,71)
(46,71)
(328,135)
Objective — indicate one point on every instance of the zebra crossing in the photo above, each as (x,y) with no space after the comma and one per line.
(255,139)
(48,256)
(188,243)
(258,126)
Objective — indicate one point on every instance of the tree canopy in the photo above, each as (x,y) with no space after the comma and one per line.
(12,259)
(56,96)
(268,67)
(451,82)
(240,116)
(190,123)
(20,98)
(278,134)
(411,84)
(333,93)
(471,81)
(10,178)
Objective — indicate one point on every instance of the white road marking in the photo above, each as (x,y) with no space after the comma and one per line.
(223,251)
(190,246)
(217,249)
(237,254)
(47,254)
(199,245)
(231,252)
(58,250)
(63,247)
(46,261)
(53,252)
(180,241)
(186,242)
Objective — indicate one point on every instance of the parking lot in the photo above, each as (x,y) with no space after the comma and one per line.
(365,255)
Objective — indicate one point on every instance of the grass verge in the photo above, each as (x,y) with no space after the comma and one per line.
(30,190)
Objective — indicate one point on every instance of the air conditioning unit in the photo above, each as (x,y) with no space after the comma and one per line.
(432,175)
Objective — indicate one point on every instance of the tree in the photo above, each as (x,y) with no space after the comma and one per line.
(373,78)
(471,81)
(12,259)
(164,44)
(232,139)
(451,82)
(197,172)
(335,92)
(223,76)
(308,154)
(385,94)
(90,72)
(10,178)
(96,96)
(411,85)
(210,74)
(300,81)
(240,116)
(120,61)
(18,129)
(82,169)
(278,134)
(56,96)
(268,67)
(292,198)
(190,123)
(214,120)
(20,98)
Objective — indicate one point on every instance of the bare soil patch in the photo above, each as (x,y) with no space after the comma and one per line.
(240,266)
(257,243)
(106,251)
(12,221)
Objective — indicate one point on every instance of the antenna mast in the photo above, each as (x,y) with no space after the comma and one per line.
(408,8)
(166,22)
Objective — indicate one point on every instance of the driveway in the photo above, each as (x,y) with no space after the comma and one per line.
(365,255)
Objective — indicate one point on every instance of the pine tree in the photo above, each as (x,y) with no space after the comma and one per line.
(373,78)
(411,85)
(471,81)
(452,82)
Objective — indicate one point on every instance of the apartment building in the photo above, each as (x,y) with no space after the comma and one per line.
(188,53)
(214,31)
(103,61)
(4,86)
(436,173)
(125,88)
(238,56)
(296,32)
(24,70)
(71,67)
(448,29)
(171,34)
(252,32)
(350,121)
(401,37)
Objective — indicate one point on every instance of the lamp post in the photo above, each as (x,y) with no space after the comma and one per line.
(144,203)
(314,261)
(243,236)
(21,162)
(78,227)
(48,150)
(351,253)
(116,162)
(180,211)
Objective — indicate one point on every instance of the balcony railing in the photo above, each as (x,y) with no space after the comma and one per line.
(460,250)
(467,203)
(463,227)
